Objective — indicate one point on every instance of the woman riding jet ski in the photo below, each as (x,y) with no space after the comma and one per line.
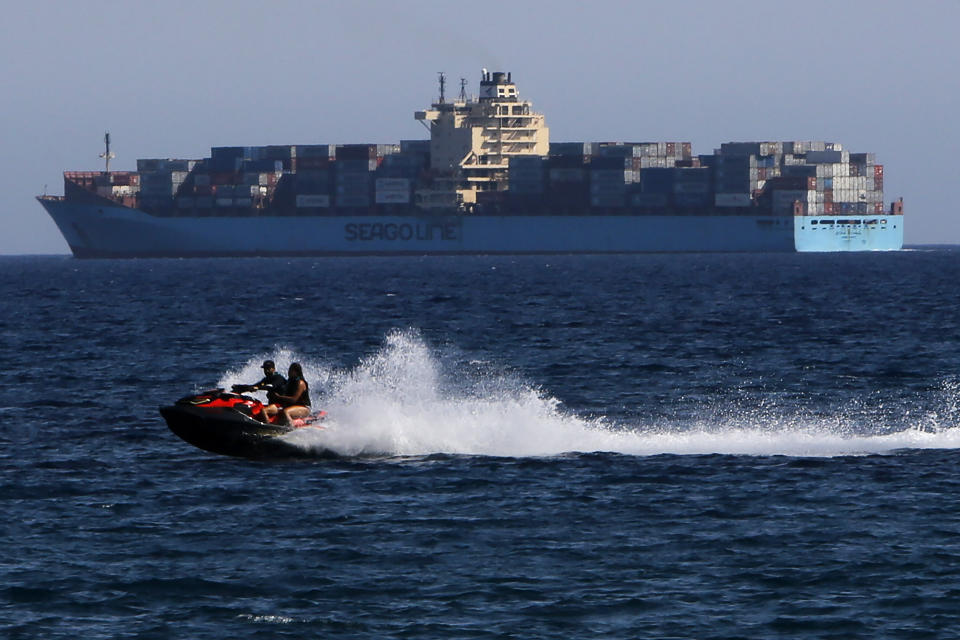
(233,424)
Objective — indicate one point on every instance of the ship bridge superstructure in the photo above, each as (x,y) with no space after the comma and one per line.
(473,139)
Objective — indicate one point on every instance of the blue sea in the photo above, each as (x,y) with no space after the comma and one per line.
(652,446)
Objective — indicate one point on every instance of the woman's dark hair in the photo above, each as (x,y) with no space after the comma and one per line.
(295,369)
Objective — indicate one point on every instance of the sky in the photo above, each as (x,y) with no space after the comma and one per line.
(172,79)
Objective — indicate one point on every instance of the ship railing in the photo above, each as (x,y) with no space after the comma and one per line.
(52,198)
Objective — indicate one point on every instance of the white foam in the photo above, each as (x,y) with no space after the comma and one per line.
(403,401)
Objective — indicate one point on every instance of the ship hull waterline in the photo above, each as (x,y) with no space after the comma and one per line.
(105,231)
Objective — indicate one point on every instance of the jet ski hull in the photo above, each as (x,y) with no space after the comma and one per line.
(219,427)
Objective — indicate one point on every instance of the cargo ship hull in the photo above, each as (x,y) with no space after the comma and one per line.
(106,231)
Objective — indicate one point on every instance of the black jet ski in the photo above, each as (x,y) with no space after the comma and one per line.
(234,424)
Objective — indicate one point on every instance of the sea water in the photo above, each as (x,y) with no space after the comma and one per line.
(709,446)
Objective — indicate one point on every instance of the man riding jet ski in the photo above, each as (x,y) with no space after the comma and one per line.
(272,382)
(238,425)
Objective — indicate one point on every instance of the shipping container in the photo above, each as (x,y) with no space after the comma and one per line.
(657,180)
(692,200)
(314,151)
(649,200)
(567,175)
(607,200)
(314,200)
(732,199)
(353,201)
(392,197)
(418,147)
(827,157)
(574,149)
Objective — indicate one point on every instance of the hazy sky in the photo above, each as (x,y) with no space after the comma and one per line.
(172,79)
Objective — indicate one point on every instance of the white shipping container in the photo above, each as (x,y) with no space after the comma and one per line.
(313,200)
(657,162)
(771,148)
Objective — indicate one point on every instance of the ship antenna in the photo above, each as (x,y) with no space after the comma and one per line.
(443,82)
(106,155)
(463,89)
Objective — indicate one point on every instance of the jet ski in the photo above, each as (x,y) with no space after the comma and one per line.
(233,424)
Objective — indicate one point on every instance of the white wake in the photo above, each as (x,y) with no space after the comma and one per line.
(404,401)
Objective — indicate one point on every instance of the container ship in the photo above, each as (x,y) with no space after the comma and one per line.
(488,180)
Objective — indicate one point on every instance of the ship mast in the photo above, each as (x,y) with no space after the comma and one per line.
(107,155)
